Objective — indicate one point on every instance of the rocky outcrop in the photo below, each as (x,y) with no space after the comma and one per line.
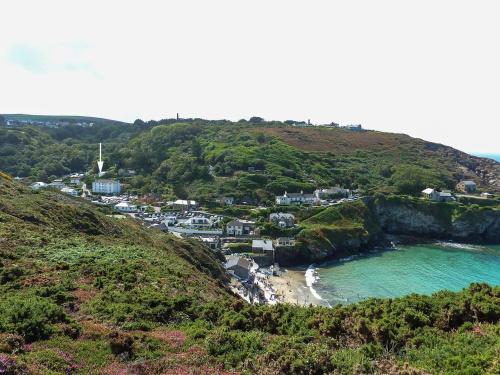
(438,220)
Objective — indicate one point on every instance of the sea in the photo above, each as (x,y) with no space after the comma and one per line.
(490,156)
(403,270)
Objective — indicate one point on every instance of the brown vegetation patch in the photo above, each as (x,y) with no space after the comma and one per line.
(174,339)
(336,140)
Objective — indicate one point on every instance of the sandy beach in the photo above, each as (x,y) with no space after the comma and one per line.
(291,287)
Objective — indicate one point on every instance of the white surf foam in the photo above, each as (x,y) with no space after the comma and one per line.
(311,279)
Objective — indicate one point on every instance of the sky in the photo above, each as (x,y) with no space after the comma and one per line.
(430,69)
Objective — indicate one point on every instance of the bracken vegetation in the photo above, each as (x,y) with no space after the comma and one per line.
(84,293)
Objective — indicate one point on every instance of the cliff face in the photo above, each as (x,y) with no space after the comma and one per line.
(438,220)
(348,229)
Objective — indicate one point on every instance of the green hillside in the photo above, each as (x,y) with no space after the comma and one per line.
(85,293)
(252,161)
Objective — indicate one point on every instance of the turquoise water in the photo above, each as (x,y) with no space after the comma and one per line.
(422,269)
(491,156)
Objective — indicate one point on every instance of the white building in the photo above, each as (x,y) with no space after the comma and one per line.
(184,204)
(70,191)
(240,228)
(38,185)
(198,222)
(282,219)
(106,186)
(296,198)
(331,192)
(285,242)
(126,207)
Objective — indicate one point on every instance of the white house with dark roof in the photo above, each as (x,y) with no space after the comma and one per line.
(282,219)
(126,207)
(296,198)
(240,228)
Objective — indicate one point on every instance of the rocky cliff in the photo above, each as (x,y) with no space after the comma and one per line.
(349,229)
(437,220)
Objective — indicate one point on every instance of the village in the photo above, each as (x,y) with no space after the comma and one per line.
(250,255)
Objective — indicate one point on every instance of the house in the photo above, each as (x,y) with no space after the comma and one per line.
(239,267)
(184,204)
(445,196)
(430,193)
(262,246)
(487,195)
(467,186)
(70,191)
(74,180)
(240,228)
(38,185)
(296,198)
(229,201)
(126,207)
(354,128)
(213,243)
(438,196)
(332,192)
(106,186)
(198,222)
(282,219)
(56,184)
(285,242)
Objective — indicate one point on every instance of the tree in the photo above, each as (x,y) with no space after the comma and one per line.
(409,179)
(256,119)
(2,121)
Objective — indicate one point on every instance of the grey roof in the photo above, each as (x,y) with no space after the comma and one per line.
(239,261)
(445,194)
(469,182)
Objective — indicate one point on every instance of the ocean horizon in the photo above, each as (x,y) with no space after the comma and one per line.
(487,155)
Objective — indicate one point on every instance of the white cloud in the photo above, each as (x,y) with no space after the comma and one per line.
(429,69)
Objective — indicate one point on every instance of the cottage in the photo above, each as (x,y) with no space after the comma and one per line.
(70,191)
(213,243)
(240,228)
(285,242)
(38,185)
(296,198)
(106,186)
(126,207)
(239,267)
(487,195)
(438,196)
(262,246)
(56,184)
(229,201)
(333,192)
(467,186)
(198,222)
(184,205)
(284,220)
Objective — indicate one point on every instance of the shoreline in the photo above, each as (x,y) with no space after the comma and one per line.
(295,287)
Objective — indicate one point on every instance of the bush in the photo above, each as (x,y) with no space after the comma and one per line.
(31,317)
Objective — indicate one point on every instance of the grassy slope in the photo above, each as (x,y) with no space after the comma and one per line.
(84,293)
